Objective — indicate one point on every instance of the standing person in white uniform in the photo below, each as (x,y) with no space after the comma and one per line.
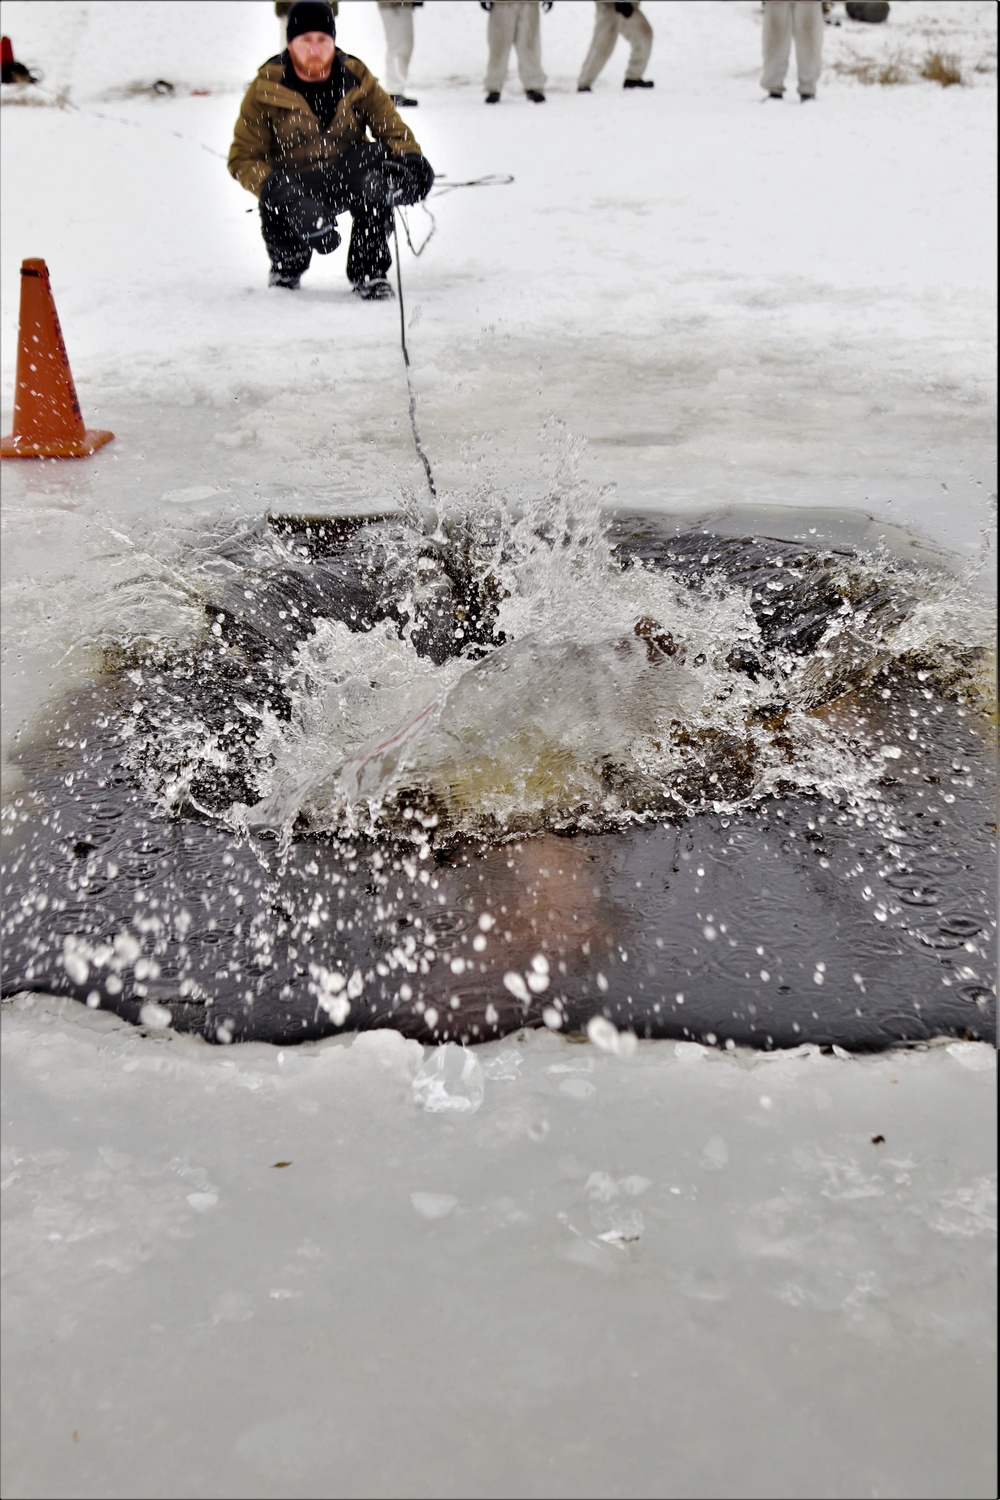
(515,23)
(612,21)
(783,20)
(397,18)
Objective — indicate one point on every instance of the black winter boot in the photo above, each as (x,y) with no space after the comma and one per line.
(374,289)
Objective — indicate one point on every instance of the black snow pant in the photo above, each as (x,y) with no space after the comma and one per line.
(298,210)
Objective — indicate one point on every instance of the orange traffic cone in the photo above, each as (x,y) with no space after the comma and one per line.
(47,420)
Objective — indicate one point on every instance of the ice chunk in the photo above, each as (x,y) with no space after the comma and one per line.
(450,1081)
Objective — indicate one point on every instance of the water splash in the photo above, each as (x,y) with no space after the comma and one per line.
(522,667)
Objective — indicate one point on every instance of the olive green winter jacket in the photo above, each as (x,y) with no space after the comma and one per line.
(276,127)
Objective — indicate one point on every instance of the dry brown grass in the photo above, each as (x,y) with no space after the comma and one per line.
(937,66)
(942,67)
(869,70)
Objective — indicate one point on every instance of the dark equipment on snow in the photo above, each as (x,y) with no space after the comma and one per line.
(873,13)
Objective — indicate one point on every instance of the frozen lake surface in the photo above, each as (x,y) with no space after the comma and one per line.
(679,1273)
(358,1266)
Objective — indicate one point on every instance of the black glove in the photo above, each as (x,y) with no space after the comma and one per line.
(412,178)
(624,9)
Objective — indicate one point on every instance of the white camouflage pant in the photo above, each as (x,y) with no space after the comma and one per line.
(608,27)
(398,23)
(514,23)
(783,20)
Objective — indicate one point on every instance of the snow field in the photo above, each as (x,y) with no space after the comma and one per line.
(268,1272)
(722,297)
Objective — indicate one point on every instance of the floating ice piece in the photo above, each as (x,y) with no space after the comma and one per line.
(450,1081)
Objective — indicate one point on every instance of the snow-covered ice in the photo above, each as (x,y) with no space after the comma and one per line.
(629,1269)
(253,1271)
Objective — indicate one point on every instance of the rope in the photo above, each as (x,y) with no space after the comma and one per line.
(494,179)
(406,362)
(63,101)
(444,185)
(418,249)
(441,185)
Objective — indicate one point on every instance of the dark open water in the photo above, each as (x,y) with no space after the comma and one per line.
(715,872)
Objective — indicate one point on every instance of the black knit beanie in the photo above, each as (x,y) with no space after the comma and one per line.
(310,15)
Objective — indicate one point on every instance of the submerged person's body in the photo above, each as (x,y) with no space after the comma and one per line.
(301,145)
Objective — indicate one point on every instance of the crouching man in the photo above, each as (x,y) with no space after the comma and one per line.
(303,146)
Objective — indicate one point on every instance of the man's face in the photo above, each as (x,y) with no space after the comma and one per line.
(312,54)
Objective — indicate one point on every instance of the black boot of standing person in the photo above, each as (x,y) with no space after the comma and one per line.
(614,19)
(301,146)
